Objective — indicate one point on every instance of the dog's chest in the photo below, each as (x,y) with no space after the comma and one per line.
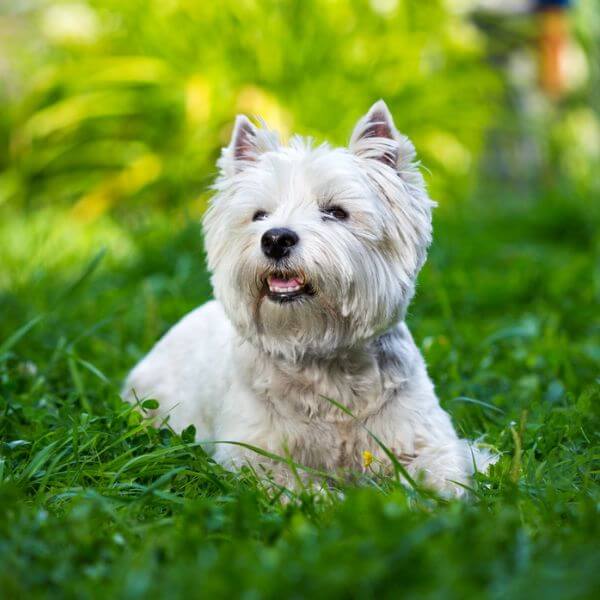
(307,406)
(312,393)
(303,406)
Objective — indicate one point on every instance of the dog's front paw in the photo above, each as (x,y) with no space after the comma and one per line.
(448,469)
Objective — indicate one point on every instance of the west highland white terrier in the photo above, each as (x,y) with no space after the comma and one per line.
(314,252)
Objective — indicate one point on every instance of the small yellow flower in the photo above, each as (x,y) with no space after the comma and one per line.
(367,458)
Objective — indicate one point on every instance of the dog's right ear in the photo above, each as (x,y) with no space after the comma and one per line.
(247,144)
(243,148)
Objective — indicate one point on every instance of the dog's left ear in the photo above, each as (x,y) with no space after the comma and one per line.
(376,137)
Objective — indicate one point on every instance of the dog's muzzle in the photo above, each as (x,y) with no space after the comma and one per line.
(286,286)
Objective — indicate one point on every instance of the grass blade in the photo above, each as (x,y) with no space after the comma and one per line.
(18,335)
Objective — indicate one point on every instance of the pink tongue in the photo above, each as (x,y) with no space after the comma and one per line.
(275,281)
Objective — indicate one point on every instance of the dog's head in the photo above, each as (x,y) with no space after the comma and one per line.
(316,249)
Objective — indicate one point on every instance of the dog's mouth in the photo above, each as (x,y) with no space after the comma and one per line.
(287,287)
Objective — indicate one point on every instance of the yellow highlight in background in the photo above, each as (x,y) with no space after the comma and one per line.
(142,171)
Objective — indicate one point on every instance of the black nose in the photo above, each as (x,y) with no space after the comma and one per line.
(276,243)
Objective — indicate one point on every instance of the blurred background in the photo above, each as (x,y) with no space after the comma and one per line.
(113,113)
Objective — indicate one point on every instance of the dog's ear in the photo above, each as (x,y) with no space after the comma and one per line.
(376,137)
(247,144)
(243,146)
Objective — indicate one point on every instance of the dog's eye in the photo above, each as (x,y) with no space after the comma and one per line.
(335,212)
(259,215)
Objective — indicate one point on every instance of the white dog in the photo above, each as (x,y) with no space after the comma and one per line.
(314,254)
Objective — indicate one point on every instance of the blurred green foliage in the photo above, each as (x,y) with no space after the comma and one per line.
(111,103)
(538,140)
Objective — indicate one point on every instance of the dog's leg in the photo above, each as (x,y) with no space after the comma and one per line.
(419,430)
(448,468)
(188,371)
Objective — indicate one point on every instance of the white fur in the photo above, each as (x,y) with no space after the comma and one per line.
(245,368)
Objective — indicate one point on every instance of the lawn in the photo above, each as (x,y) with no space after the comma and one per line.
(94,503)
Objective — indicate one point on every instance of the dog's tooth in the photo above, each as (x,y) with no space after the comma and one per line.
(284,289)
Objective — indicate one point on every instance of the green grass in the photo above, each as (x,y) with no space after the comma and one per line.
(93,503)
